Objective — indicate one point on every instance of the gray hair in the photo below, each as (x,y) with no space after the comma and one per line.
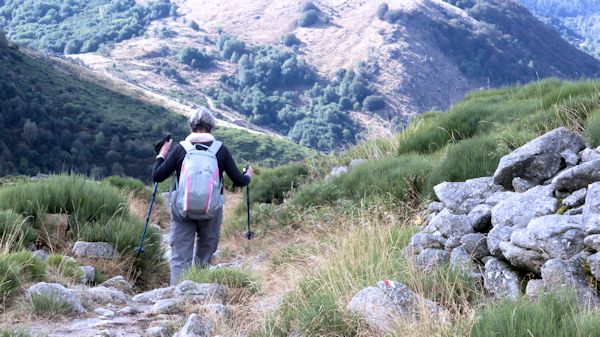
(202,119)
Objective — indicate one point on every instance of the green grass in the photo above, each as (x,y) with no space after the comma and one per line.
(50,306)
(14,332)
(9,280)
(553,315)
(130,185)
(14,230)
(229,277)
(273,185)
(26,266)
(65,267)
(97,212)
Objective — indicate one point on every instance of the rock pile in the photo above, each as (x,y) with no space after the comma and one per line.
(536,222)
(533,227)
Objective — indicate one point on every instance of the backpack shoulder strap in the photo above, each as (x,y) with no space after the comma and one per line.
(214,147)
(187,145)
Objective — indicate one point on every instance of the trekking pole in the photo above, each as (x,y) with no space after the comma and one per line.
(249,234)
(140,249)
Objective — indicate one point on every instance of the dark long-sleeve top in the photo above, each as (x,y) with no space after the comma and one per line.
(163,168)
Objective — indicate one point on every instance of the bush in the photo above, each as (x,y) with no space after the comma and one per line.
(308,18)
(373,103)
(382,10)
(50,306)
(15,230)
(26,266)
(552,315)
(195,58)
(232,278)
(12,332)
(290,39)
(9,280)
(593,127)
(64,266)
(130,185)
(194,25)
(273,185)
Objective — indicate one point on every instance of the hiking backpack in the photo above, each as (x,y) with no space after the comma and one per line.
(198,194)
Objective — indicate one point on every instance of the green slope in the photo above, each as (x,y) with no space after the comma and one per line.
(52,121)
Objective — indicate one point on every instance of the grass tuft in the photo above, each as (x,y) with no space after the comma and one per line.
(229,277)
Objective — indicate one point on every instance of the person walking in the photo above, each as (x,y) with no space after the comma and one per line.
(191,227)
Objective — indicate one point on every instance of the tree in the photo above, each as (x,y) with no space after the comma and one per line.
(382,10)
(290,40)
(193,57)
(373,103)
(308,18)
(30,131)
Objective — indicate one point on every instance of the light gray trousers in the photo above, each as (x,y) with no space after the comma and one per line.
(184,234)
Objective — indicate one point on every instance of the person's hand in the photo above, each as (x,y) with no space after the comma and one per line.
(249,172)
(165,148)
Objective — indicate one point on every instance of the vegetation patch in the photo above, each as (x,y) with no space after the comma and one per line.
(229,277)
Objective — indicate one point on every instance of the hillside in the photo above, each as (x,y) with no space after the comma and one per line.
(411,56)
(578,21)
(360,252)
(54,119)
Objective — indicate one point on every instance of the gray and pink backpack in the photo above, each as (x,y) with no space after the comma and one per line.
(198,195)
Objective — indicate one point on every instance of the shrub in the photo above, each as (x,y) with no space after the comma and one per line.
(229,277)
(308,18)
(9,280)
(15,230)
(26,266)
(382,10)
(65,266)
(193,57)
(194,25)
(14,332)
(593,127)
(51,306)
(129,184)
(273,185)
(307,6)
(373,103)
(471,158)
(290,39)
(552,315)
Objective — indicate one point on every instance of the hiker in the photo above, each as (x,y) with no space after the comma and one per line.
(186,229)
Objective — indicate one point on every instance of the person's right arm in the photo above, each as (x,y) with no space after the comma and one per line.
(164,167)
(238,178)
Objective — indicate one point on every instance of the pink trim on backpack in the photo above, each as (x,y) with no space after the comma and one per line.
(186,198)
(211,182)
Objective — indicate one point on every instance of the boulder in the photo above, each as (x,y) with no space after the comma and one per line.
(589,155)
(57,293)
(101,296)
(535,288)
(592,242)
(594,262)
(385,306)
(500,280)
(557,236)
(558,274)
(481,218)
(521,185)
(541,158)
(421,241)
(577,177)
(516,212)
(530,260)
(202,292)
(158,331)
(435,207)
(197,326)
(431,258)
(89,274)
(154,295)
(336,171)
(105,313)
(462,197)
(575,211)
(167,306)
(475,245)
(41,254)
(591,209)
(460,259)
(120,283)
(520,208)
(128,310)
(497,197)
(452,225)
(94,250)
(355,162)
(576,198)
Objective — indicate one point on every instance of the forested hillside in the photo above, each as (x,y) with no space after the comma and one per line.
(51,121)
(76,26)
(578,21)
